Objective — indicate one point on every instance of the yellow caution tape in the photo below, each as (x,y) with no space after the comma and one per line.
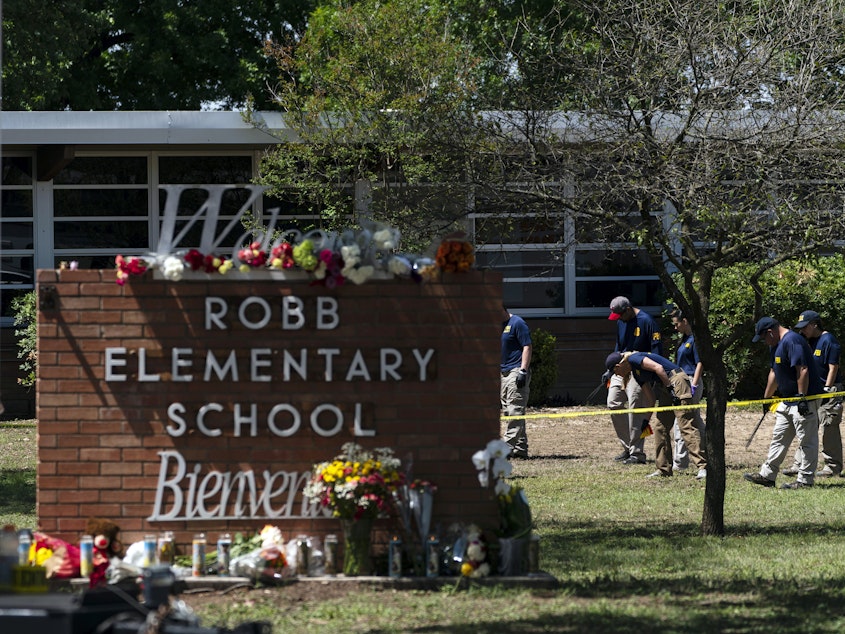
(672,408)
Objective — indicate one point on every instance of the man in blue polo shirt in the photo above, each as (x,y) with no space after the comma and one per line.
(636,331)
(793,374)
(826,352)
(667,384)
(516,379)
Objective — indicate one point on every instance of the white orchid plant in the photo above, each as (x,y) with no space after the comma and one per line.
(493,470)
(493,466)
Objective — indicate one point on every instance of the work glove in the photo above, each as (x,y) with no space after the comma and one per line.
(767,407)
(836,400)
(605,378)
(803,407)
(693,388)
(521,378)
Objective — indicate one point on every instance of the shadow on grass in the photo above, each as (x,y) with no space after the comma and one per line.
(616,600)
(17,491)
(774,619)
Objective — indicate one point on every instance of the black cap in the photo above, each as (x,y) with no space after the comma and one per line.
(766,323)
(613,359)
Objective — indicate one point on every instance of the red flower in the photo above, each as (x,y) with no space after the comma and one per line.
(194,259)
(284,252)
(126,267)
(253,255)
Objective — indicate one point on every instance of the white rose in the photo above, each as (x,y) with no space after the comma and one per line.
(399,266)
(361,275)
(173,268)
(384,239)
(351,254)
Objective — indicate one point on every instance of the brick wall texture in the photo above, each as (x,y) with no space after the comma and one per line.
(141,420)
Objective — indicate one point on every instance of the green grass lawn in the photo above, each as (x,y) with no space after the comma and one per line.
(626,551)
(17,473)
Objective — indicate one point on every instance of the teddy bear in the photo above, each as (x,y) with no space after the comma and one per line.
(106,546)
(475,558)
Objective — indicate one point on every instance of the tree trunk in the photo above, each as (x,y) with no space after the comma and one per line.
(713,516)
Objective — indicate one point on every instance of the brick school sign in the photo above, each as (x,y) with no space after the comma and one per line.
(201,405)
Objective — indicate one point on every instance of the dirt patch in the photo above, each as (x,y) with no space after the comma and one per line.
(574,432)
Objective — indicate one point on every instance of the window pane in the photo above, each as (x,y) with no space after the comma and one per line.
(533,294)
(442,198)
(519,230)
(16,235)
(192,239)
(16,270)
(521,263)
(615,263)
(594,230)
(17,204)
(190,200)
(70,203)
(288,205)
(102,235)
(104,170)
(594,294)
(17,170)
(205,170)
(7,316)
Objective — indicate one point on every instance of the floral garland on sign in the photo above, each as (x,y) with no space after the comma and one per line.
(330,259)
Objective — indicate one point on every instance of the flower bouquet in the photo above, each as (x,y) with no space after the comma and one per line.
(357,486)
(455,256)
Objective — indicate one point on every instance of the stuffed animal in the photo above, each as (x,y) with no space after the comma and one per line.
(106,545)
(475,559)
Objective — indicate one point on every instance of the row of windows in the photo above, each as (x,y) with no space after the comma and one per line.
(99,206)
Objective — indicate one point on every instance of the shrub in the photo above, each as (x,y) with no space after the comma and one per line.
(26,315)
(543,366)
(816,283)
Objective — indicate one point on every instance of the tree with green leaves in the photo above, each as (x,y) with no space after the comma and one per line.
(714,137)
(380,95)
(707,134)
(152,55)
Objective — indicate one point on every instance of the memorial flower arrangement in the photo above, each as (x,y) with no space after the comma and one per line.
(129,266)
(493,468)
(358,483)
(328,258)
(455,256)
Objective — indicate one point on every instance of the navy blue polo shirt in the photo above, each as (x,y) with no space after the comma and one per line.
(642,376)
(826,353)
(687,355)
(793,350)
(515,336)
(640,334)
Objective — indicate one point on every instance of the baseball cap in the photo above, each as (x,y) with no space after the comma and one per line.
(618,306)
(766,323)
(806,317)
(613,359)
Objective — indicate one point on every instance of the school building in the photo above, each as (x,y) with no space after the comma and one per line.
(85,186)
